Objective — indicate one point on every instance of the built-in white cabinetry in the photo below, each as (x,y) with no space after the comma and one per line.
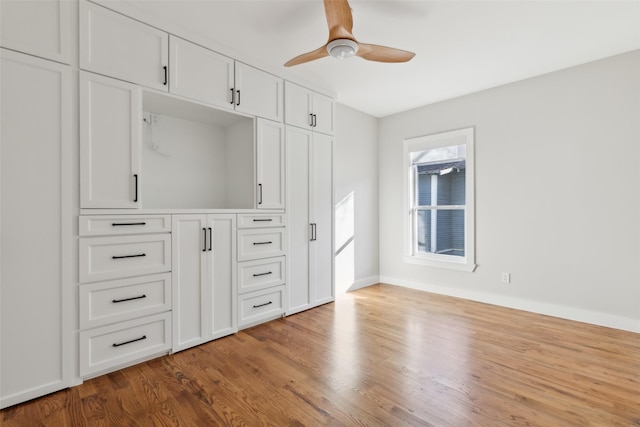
(307,109)
(262,250)
(38,27)
(309,208)
(37,308)
(110,136)
(204,278)
(270,165)
(204,75)
(125,290)
(120,47)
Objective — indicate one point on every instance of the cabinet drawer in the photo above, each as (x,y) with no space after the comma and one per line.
(259,306)
(261,243)
(260,274)
(115,301)
(131,224)
(260,221)
(105,258)
(111,346)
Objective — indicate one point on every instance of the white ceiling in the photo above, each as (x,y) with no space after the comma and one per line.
(461,46)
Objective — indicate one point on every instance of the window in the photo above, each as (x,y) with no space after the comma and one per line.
(439,189)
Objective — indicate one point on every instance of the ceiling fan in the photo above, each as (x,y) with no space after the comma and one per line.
(342,44)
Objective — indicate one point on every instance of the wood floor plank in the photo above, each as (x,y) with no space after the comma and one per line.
(380,356)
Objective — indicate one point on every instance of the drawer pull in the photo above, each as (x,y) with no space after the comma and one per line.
(115,301)
(262,274)
(144,337)
(127,256)
(262,219)
(262,243)
(262,305)
(116,224)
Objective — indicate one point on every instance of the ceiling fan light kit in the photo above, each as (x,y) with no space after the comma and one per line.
(342,48)
(342,44)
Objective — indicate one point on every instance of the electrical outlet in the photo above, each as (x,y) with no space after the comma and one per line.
(506,278)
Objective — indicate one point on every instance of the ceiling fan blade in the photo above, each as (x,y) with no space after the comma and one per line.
(309,56)
(339,19)
(373,52)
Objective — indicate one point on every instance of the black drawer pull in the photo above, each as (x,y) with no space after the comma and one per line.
(262,243)
(116,224)
(262,305)
(262,274)
(115,301)
(263,220)
(127,256)
(144,337)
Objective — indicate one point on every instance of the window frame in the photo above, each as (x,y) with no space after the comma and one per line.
(464,136)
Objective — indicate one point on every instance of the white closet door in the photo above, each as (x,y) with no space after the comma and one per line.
(222,273)
(299,228)
(37,27)
(36,284)
(270,165)
(321,207)
(297,105)
(323,110)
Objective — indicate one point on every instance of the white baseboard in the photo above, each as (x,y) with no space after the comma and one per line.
(563,312)
(363,283)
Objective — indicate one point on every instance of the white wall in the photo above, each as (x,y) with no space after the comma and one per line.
(557,193)
(355,174)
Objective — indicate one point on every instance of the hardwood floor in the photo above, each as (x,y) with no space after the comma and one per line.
(379,356)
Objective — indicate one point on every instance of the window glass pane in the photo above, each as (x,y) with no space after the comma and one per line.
(424,190)
(441,232)
(451,187)
(439,154)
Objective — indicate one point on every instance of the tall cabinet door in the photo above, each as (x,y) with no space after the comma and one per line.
(36,283)
(190,296)
(41,28)
(270,164)
(110,136)
(321,214)
(222,272)
(298,182)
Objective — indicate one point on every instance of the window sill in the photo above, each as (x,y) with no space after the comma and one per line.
(450,265)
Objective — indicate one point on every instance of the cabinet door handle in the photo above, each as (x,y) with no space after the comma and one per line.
(119,224)
(261,243)
(204,239)
(238,103)
(166,75)
(144,337)
(233,96)
(259,194)
(210,238)
(262,219)
(311,119)
(135,188)
(313,232)
(262,305)
(315,120)
(128,256)
(262,274)
(115,301)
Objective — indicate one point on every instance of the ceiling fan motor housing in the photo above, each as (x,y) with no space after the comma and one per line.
(342,48)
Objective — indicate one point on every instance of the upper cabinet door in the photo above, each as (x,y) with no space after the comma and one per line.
(258,93)
(323,114)
(120,47)
(41,28)
(110,135)
(298,106)
(270,164)
(200,73)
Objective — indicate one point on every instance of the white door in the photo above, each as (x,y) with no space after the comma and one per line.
(270,164)
(190,294)
(41,28)
(110,135)
(258,93)
(222,272)
(297,106)
(117,46)
(299,229)
(321,216)
(323,114)
(200,73)
(36,282)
